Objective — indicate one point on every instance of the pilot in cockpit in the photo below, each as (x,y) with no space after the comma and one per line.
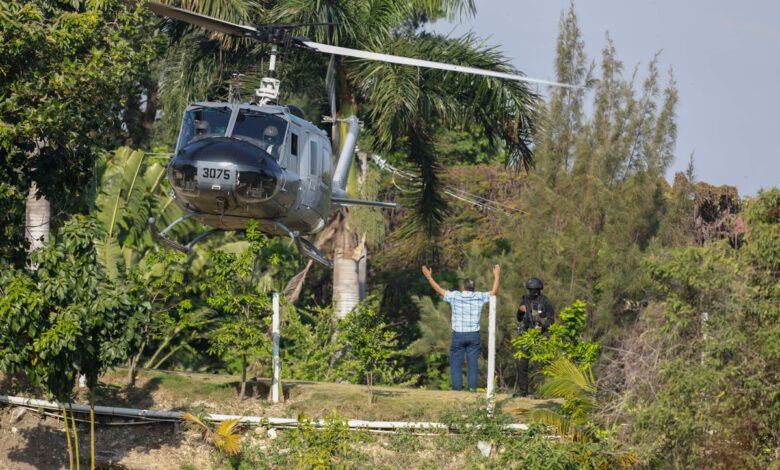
(202,128)
(271,140)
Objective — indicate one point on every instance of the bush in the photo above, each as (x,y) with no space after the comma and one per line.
(563,340)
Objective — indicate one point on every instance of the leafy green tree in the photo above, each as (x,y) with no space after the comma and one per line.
(128,190)
(69,81)
(599,198)
(233,285)
(307,345)
(67,317)
(369,346)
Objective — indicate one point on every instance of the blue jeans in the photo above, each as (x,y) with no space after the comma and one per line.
(468,344)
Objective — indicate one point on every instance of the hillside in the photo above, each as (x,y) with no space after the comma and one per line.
(38,441)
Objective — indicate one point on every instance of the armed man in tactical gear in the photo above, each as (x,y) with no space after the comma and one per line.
(535,311)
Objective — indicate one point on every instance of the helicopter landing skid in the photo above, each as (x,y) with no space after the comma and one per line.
(305,246)
(163,238)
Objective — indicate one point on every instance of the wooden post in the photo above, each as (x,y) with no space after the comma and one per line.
(277,362)
(491,372)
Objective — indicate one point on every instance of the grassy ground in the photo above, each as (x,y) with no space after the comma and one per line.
(166,390)
(37,440)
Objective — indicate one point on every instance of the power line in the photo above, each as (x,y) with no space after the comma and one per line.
(451,191)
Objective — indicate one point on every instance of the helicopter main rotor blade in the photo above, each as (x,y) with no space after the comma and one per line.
(207,22)
(393,59)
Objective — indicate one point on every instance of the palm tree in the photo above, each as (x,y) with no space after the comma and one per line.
(37,216)
(400,105)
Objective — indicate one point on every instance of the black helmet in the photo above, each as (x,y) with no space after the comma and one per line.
(534,283)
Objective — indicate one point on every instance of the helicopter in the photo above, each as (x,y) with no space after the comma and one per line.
(236,162)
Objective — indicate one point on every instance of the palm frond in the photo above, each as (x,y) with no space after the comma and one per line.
(404,102)
(191,418)
(562,424)
(568,381)
(226,439)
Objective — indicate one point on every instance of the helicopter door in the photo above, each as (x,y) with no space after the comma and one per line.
(310,173)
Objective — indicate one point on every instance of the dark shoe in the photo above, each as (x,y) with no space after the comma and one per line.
(519,395)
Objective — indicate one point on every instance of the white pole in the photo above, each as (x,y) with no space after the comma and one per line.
(277,361)
(491,354)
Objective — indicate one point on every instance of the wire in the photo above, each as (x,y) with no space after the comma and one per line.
(457,193)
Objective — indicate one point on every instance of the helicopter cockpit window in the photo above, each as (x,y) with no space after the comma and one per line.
(204,122)
(262,129)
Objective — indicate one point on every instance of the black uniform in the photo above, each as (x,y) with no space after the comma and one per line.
(539,312)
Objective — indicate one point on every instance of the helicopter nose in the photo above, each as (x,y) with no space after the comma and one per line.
(228,166)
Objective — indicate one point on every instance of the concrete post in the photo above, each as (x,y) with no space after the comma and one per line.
(491,372)
(275,384)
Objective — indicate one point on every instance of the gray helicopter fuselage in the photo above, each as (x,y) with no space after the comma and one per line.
(240,162)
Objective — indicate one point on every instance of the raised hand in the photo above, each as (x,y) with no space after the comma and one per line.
(426,271)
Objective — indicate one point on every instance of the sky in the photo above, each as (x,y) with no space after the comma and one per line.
(725,57)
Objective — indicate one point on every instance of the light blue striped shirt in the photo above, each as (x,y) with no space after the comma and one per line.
(466,309)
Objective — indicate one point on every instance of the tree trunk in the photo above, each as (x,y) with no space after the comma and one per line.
(37,218)
(132,366)
(131,363)
(77,458)
(243,377)
(67,435)
(346,257)
(346,285)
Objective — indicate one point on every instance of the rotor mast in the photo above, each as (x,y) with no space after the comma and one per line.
(269,86)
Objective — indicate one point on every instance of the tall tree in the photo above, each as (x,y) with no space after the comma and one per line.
(69,78)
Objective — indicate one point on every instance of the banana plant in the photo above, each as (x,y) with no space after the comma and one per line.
(128,193)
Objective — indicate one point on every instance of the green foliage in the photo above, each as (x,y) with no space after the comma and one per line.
(326,447)
(563,340)
(67,317)
(528,449)
(69,85)
(578,389)
(128,193)
(232,283)
(369,347)
(703,388)
(307,345)
(468,146)
(535,450)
